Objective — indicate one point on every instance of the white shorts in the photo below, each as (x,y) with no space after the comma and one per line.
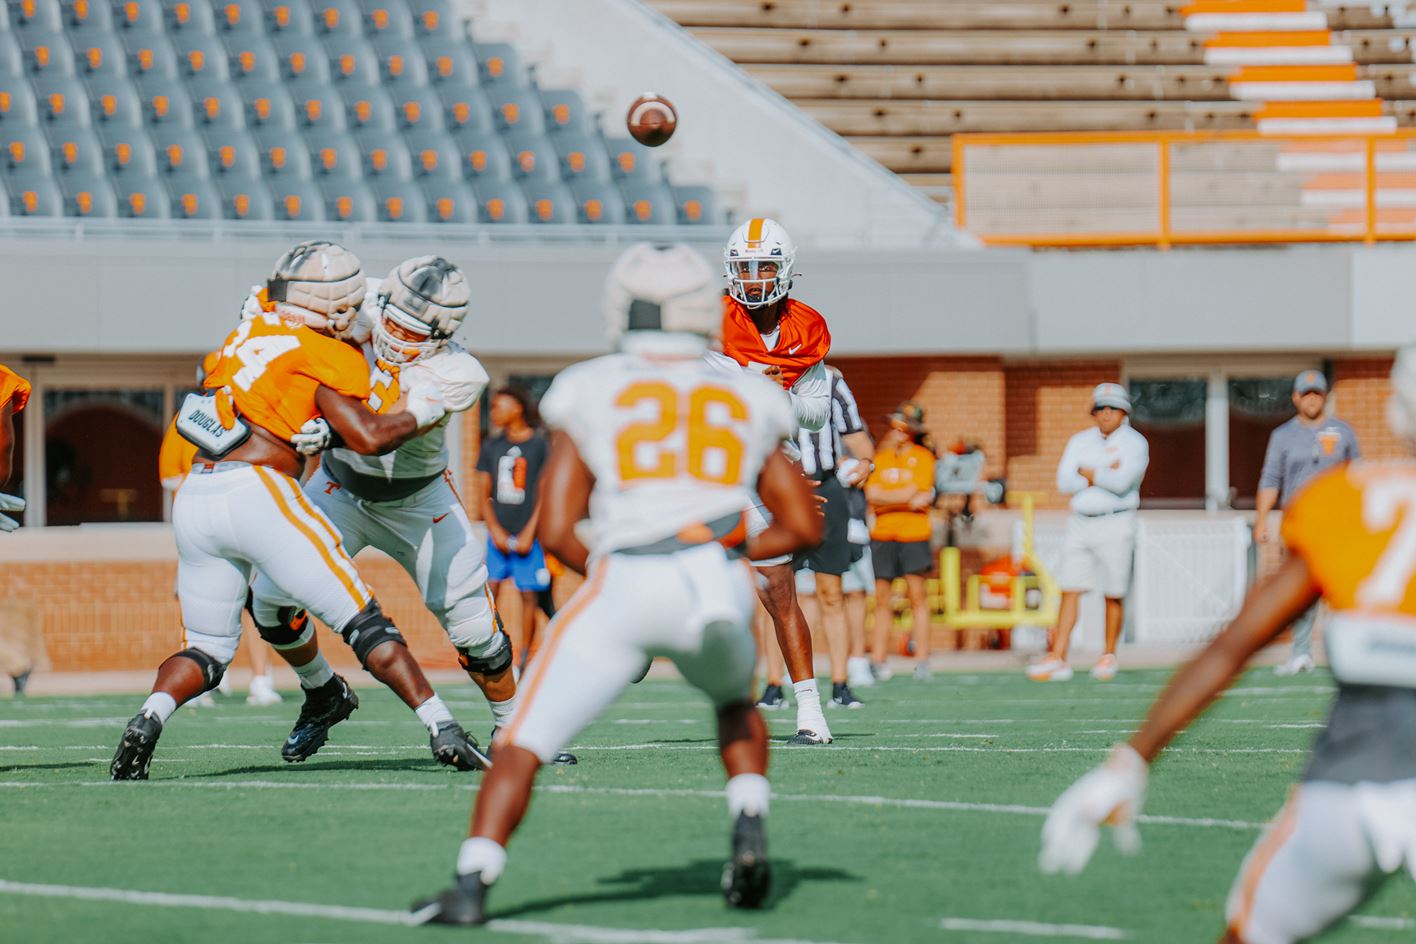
(1097,554)
(695,607)
(240,521)
(1321,857)
(758,518)
(429,534)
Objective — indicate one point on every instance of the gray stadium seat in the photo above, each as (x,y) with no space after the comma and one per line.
(296,200)
(383,155)
(232,151)
(398,201)
(450,62)
(565,111)
(17,106)
(149,54)
(200,56)
(282,154)
(188,16)
(251,57)
(215,104)
(302,58)
(34,195)
(61,100)
(434,154)
(482,156)
(333,154)
(289,17)
(138,16)
(582,157)
(449,201)
(12,60)
(192,198)
(499,201)
(179,151)
(268,105)
(25,152)
(75,150)
(466,108)
(317,106)
(141,198)
(36,14)
(367,107)
(517,109)
(532,157)
(433,18)
(417,108)
(597,203)
(696,206)
(114,103)
(499,64)
(127,150)
(87,16)
(648,202)
(400,61)
(244,199)
(629,160)
(354,61)
(90,197)
(238,16)
(337,18)
(348,200)
(164,101)
(387,18)
(548,201)
(46,53)
(95,55)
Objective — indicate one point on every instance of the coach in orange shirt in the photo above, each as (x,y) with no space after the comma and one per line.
(900,492)
(14,394)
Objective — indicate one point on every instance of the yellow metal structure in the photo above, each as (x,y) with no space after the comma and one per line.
(971,615)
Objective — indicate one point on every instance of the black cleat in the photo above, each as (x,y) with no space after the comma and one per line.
(454,747)
(21,681)
(134,754)
(324,707)
(563,759)
(807,736)
(465,903)
(843,697)
(772,698)
(747,878)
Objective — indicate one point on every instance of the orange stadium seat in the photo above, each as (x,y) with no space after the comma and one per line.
(450,62)
(289,17)
(418,108)
(244,199)
(87,16)
(282,154)
(398,201)
(267,105)
(598,203)
(548,201)
(301,58)
(97,55)
(648,202)
(582,157)
(200,56)
(127,150)
(296,200)
(347,200)
(483,156)
(46,53)
(432,17)
(251,57)
(179,150)
(62,100)
(194,199)
(499,201)
(36,15)
(189,16)
(75,150)
(238,16)
(17,105)
(354,61)
(401,61)
(149,55)
(383,155)
(368,107)
(434,155)
(35,195)
(448,200)
(387,18)
(498,63)
(232,151)
(333,155)
(91,197)
(337,18)
(465,108)
(532,157)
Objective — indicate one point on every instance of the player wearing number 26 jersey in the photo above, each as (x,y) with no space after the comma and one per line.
(661,450)
(1351,823)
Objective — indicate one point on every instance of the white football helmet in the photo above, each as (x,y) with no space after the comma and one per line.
(1401,405)
(317,283)
(420,306)
(667,289)
(758,262)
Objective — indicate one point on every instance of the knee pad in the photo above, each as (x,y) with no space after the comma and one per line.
(212,668)
(369,630)
(492,658)
(292,628)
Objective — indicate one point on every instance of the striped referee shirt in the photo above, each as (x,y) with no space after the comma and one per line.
(822,451)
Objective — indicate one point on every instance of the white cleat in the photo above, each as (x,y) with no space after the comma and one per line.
(1295,665)
(1050,669)
(1105,668)
(858,674)
(881,671)
(263,692)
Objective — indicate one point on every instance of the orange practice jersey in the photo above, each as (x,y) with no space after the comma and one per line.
(1355,527)
(273,370)
(14,390)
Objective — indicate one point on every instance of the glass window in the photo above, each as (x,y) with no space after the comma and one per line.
(101,455)
(1256,406)
(1170,413)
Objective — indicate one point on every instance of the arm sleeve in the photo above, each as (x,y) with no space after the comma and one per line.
(1069,480)
(811,398)
(1134,459)
(1272,474)
(847,412)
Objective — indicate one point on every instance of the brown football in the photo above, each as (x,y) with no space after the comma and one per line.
(651,119)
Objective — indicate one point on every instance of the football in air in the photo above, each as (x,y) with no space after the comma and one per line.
(651,119)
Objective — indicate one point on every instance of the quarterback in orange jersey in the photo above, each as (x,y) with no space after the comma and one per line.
(785,341)
(1351,822)
(14,394)
(241,511)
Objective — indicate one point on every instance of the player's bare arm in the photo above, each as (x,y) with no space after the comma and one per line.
(569,478)
(797,522)
(364,431)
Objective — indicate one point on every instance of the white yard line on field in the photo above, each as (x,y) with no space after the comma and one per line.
(1090,932)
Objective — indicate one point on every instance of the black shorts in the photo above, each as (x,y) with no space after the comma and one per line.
(897,558)
(836,553)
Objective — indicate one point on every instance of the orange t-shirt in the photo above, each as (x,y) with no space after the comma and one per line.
(14,390)
(272,370)
(1353,526)
(895,470)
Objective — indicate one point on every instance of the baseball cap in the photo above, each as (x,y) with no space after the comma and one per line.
(911,414)
(1112,395)
(1310,381)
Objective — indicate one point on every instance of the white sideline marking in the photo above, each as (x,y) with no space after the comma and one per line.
(1383,924)
(559,933)
(944,749)
(1090,932)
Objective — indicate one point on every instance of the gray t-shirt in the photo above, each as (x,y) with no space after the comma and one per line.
(1297,452)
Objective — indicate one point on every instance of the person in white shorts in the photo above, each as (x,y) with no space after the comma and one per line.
(661,451)
(1351,823)
(1101,469)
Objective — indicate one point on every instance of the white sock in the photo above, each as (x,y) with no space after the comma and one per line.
(314,673)
(501,710)
(806,694)
(433,713)
(481,855)
(160,704)
(748,793)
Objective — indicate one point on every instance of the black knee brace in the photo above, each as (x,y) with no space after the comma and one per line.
(289,629)
(494,664)
(212,670)
(369,630)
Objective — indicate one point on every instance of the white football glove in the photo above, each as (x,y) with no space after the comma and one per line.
(425,402)
(10,503)
(1112,795)
(314,437)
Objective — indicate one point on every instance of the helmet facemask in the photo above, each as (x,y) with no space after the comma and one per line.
(420,306)
(400,338)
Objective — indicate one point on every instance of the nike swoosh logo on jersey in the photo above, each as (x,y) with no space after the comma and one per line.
(794,349)
(441,517)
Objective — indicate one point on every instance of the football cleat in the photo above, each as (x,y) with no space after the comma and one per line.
(923,673)
(807,736)
(1295,665)
(21,681)
(1105,668)
(843,697)
(747,878)
(562,759)
(134,754)
(454,747)
(772,698)
(324,707)
(1050,669)
(465,903)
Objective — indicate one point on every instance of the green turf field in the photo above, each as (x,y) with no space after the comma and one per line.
(920,820)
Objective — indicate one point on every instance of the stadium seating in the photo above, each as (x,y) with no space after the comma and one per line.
(302,110)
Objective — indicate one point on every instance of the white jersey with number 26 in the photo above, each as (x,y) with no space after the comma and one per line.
(671,442)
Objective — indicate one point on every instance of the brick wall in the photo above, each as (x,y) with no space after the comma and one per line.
(1360,389)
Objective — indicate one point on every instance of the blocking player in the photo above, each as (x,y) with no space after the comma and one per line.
(1347,825)
(241,510)
(403,502)
(661,453)
(14,394)
(785,341)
